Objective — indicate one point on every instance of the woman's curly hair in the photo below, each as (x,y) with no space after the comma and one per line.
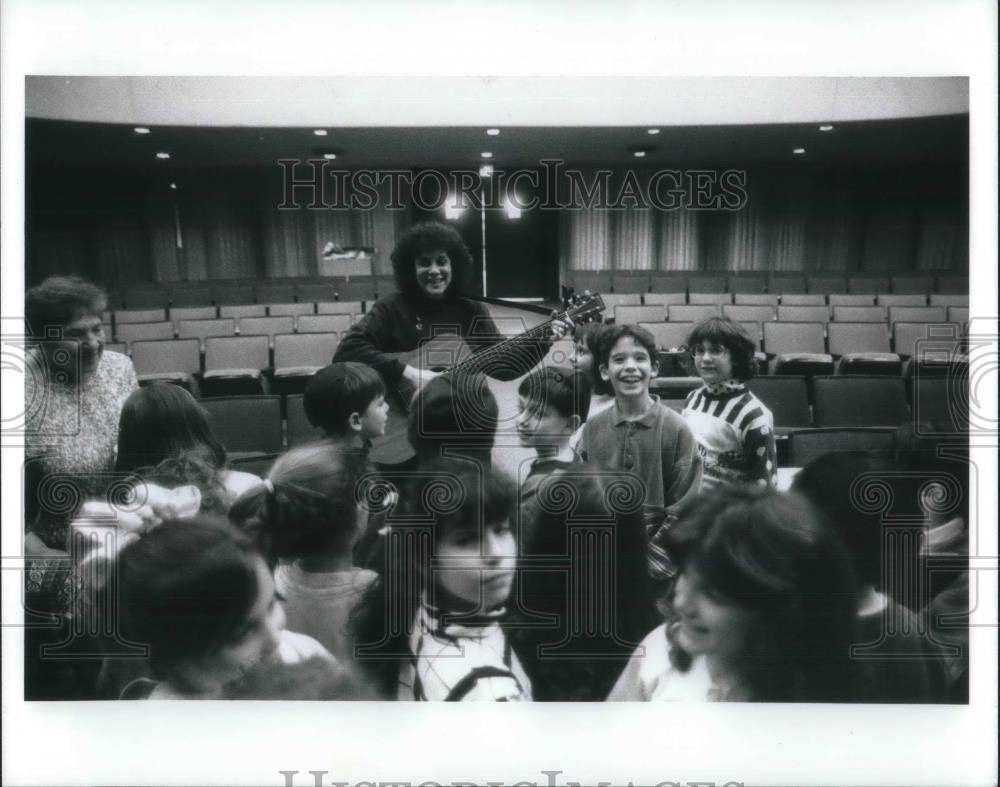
(424,237)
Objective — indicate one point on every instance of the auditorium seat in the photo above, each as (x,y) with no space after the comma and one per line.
(911,285)
(594,281)
(749,313)
(275,292)
(699,298)
(203,329)
(139,315)
(699,282)
(674,387)
(178,313)
(238,311)
(786,283)
(935,338)
(631,315)
(917,314)
(298,356)
(952,284)
(233,294)
(862,284)
(862,348)
(630,281)
(941,404)
(290,309)
(747,283)
(852,299)
(902,300)
(859,400)
(266,326)
(190,296)
(787,397)
(756,332)
(325,323)
(116,347)
(694,313)
(960,315)
(826,284)
(797,348)
(310,292)
(142,331)
(664,281)
(668,335)
(145,298)
(611,300)
(945,299)
(298,429)
(664,299)
(230,416)
(235,364)
(384,285)
(859,314)
(755,299)
(803,299)
(340,307)
(819,314)
(805,445)
(169,360)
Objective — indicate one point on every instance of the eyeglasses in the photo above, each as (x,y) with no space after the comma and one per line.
(711,352)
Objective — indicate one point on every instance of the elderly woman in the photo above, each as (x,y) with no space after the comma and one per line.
(74,394)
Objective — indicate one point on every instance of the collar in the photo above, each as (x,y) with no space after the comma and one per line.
(566,455)
(478,625)
(646,421)
(731,385)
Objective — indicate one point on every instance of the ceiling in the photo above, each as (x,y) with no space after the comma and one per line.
(923,139)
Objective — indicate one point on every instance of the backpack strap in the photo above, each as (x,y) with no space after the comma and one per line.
(468,683)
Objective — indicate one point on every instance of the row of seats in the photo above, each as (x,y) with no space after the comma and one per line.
(131,332)
(821,314)
(665,281)
(228,292)
(614,299)
(178,313)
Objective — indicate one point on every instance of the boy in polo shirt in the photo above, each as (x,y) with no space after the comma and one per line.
(640,434)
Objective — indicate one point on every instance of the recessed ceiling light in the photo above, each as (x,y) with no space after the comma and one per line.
(798,151)
(826,127)
(141,130)
(486,171)
(493,132)
(639,153)
(329,156)
(319,132)
(653,131)
(486,154)
(163,155)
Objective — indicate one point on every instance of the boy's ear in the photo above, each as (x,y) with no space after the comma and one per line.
(354,421)
(655,364)
(603,369)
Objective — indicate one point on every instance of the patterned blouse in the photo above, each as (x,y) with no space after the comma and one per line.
(72,433)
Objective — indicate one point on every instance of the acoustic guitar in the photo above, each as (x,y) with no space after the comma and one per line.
(451,354)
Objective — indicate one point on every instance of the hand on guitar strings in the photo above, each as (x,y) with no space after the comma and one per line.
(561,328)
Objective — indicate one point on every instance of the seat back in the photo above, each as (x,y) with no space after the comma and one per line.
(782,283)
(266,326)
(275,292)
(803,299)
(859,400)
(311,292)
(128,316)
(299,430)
(858,337)
(693,313)
(231,415)
(939,340)
(786,396)
(756,299)
(238,311)
(852,299)
(292,350)
(595,281)
(819,314)
(630,281)
(748,283)
(615,299)
(918,314)
(178,313)
(859,314)
(958,314)
(952,284)
(233,295)
(793,337)
(668,335)
(749,313)
(203,329)
(719,298)
(631,315)
(161,356)
(698,282)
(190,296)
(325,323)
(920,285)
(805,445)
(941,405)
(875,284)
(145,298)
(914,299)
(236,352)
(290,309)
(826,284)
(143,331)
(664,299)
(939,299)
(755,330)
(339,307)
(668,282)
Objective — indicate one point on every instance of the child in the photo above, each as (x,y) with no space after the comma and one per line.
(201,597)
(565,501)
(762,607)
(642,435)
(587,347)
(347,402)
(430,629)
(308,514)
(904,665)
(734,430)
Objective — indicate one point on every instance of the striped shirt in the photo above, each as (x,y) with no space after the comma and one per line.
(735,435)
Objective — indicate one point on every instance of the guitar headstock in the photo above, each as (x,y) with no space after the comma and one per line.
(586,307)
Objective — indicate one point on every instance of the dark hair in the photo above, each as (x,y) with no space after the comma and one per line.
(445,495)
(424,237)
(591,335)
(186,588)
(565,390)
(310,506)
(163,420)
(453,409)
(731,335)
(190,467)
(832,483)
(616,332)
(60,300)
(338,390)
(930,453)
(770,553)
